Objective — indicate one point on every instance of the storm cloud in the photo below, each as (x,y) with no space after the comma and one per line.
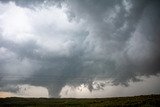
(61,43)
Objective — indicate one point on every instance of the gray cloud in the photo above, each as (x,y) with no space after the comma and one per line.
(88,40)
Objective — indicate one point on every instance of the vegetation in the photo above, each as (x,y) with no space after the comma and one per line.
(136,101)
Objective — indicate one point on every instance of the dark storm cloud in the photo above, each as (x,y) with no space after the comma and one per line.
(113,25)
(118,40)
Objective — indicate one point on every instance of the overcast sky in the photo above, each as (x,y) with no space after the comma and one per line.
(79,48)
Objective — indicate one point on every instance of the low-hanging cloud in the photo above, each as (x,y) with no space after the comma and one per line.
(71,42)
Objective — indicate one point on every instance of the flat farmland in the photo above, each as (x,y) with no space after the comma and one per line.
(135,101)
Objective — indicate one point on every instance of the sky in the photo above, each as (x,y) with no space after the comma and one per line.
(79,48)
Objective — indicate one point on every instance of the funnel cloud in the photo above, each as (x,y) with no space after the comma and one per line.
(61,45)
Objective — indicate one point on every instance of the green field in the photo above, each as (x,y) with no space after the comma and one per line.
(136,101)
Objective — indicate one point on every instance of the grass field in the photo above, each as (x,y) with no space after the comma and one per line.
(136,101)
